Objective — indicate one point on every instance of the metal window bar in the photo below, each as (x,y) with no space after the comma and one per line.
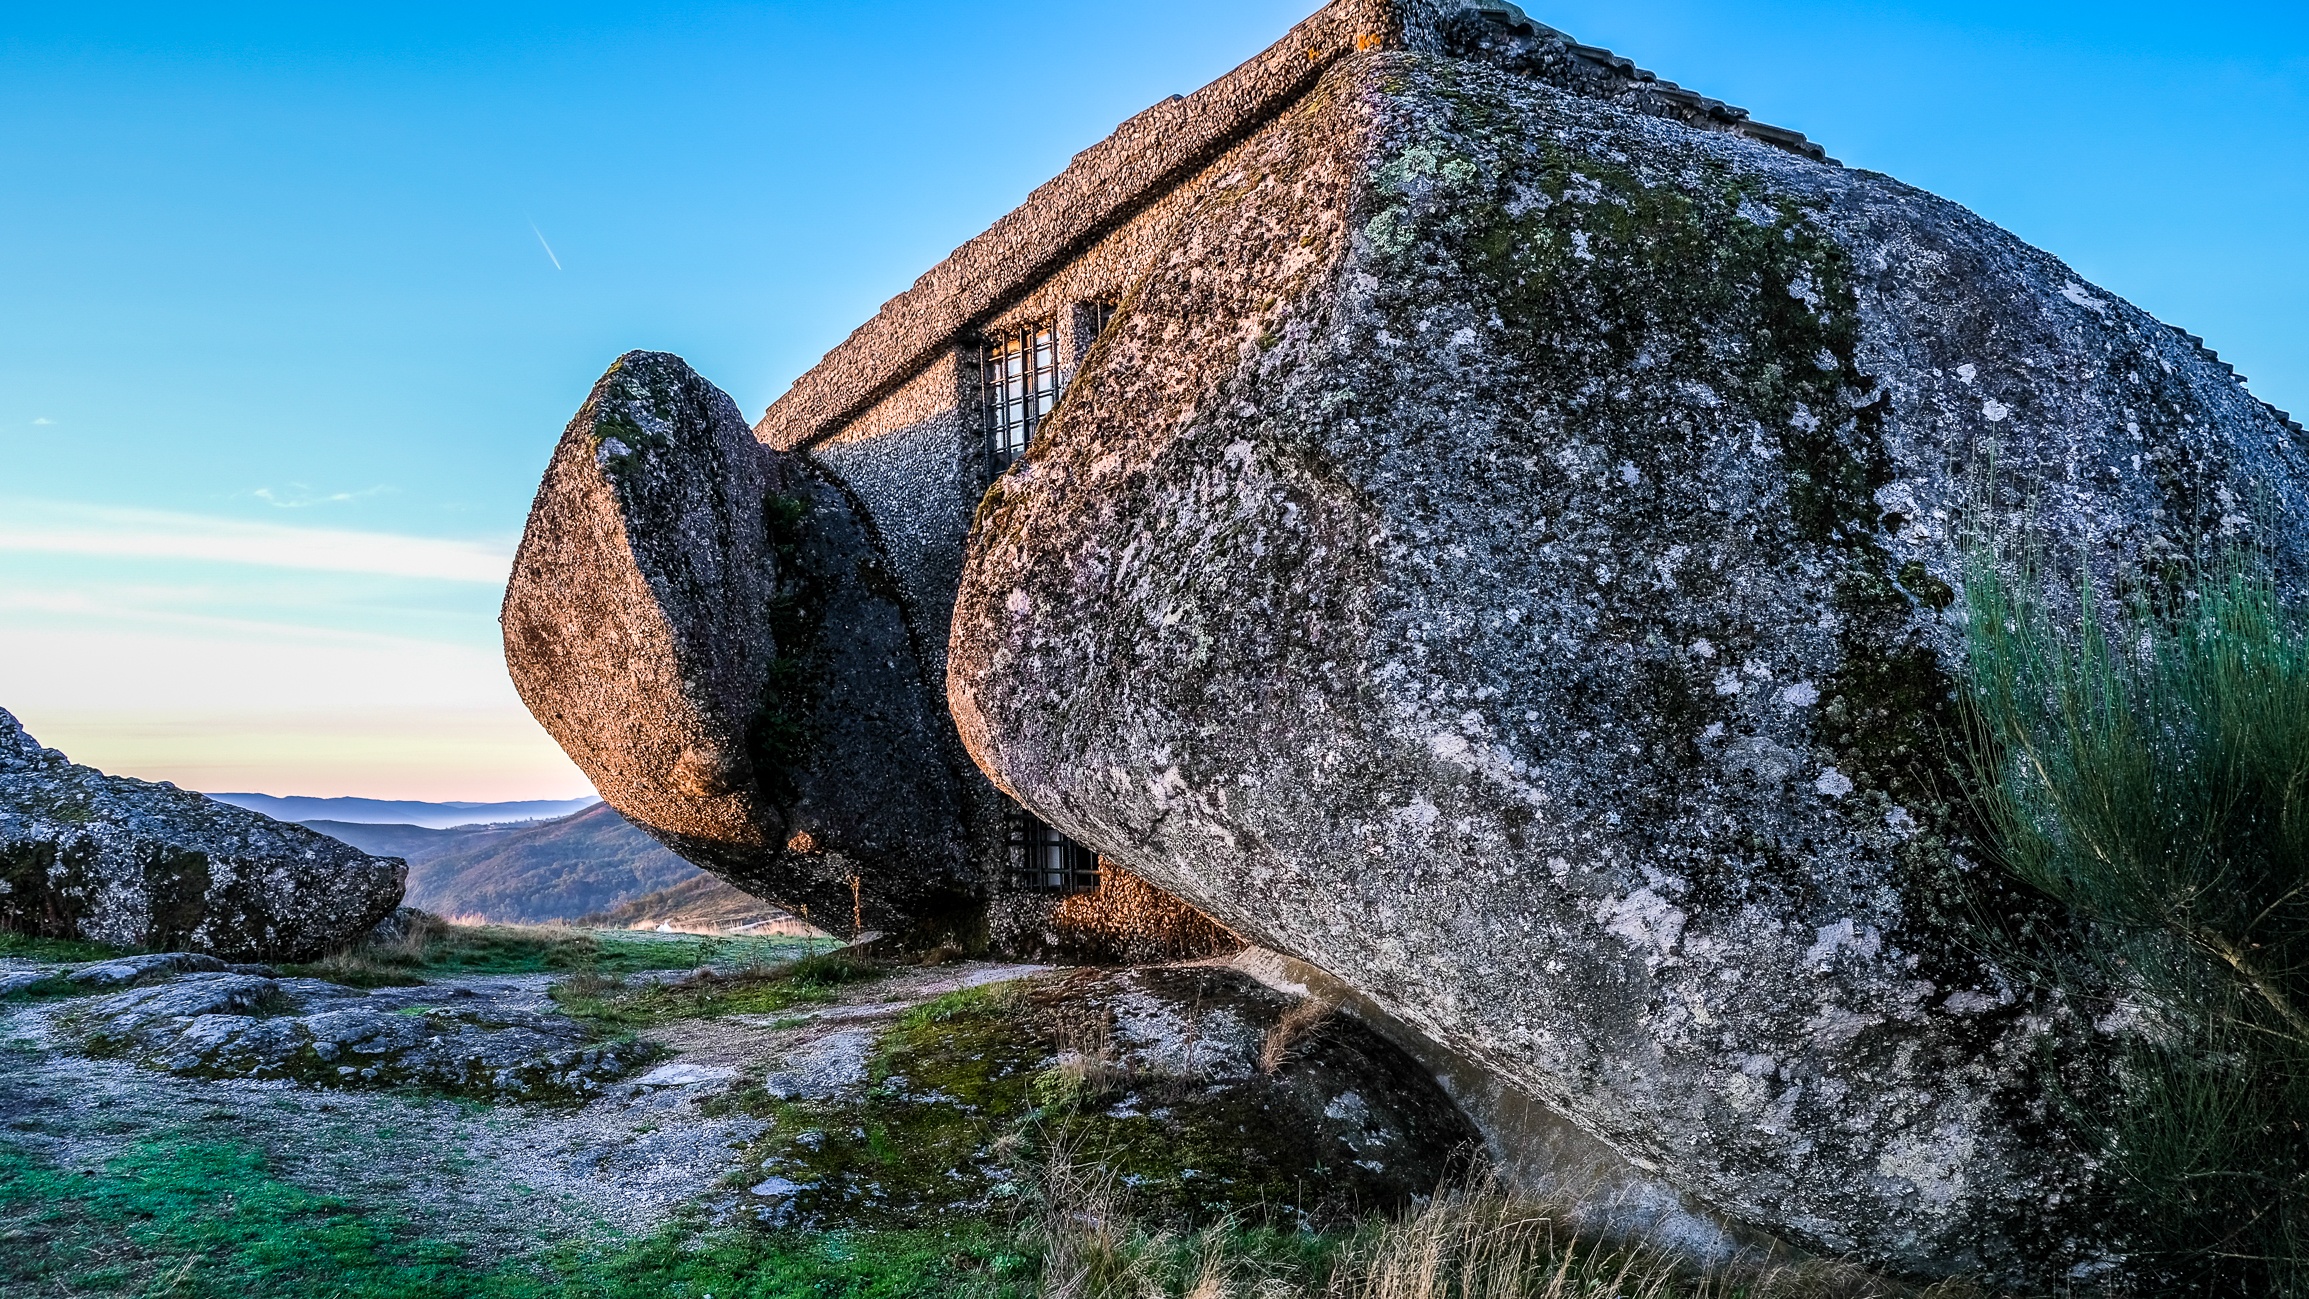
(1021,381)
(1044,861)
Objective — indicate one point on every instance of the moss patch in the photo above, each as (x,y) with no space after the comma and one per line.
(969,1096)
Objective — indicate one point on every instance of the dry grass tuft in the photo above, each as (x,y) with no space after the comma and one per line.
(1479,1239)
(1294,1030)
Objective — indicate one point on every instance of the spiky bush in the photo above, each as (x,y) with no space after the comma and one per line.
(2145,765)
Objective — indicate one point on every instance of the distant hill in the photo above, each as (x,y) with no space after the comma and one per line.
(381,811)
(417,843)
(705,905)
(595,861)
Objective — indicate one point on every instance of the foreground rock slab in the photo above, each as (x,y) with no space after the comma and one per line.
(128,862)
(1503,555)
(456,1040)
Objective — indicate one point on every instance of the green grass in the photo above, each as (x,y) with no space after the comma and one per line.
(2146,768)
(27,947)
(440,950)
(190,1218)
(610,1002)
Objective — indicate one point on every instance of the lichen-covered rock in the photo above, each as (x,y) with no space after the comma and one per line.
(226,1025)
(706,627)
(1503,554)
(117,860)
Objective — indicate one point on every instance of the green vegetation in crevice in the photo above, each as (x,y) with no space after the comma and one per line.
(2146,770)
(765,989)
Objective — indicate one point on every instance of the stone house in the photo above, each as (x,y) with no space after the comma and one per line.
(921,408)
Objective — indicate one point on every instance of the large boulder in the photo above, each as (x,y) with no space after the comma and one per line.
(117,860)
(1504,555)
(707,628)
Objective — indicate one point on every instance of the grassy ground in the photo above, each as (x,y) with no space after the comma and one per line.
(28,948)
(600,997)
(178,1216)
(437,950)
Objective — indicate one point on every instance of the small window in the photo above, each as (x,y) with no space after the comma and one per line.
(1044,861)
(1021,376)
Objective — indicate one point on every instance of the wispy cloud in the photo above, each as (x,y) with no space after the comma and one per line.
(58,528)
(301,496)
(544,245)
(43,420)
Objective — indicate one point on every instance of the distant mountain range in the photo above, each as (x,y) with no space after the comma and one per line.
(594,866)
(382,811)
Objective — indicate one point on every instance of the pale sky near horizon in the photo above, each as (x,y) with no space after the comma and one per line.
(294,300)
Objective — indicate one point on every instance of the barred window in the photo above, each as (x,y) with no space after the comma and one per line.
(1021,381)
(1044,861)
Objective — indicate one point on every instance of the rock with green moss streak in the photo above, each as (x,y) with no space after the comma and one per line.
(132,863)
(705,626)
(1503,554)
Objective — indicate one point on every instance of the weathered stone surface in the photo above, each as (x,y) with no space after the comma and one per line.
(1502,555)
(707,628)
(129,862)
(225,1025)
(105,976)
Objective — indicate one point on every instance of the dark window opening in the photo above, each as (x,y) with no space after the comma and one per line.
(1021,381)
(1044,861)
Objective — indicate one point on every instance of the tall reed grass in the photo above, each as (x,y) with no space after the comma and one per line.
(2145,765)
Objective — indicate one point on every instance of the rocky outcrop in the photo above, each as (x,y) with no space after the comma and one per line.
(1503,554)
(224,1024)
(117,860)
(707,629)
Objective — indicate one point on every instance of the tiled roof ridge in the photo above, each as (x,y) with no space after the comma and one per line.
(1114,179)
(2215,357)
(1598,73)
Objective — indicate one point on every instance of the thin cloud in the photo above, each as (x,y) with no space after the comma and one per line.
(544,245)
(301,496)
(58,528)
(43,420)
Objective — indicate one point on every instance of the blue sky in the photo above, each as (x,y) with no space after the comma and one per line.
(294,300)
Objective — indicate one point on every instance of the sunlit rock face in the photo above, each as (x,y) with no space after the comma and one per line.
(705,627)
(1503,554)
(135,863)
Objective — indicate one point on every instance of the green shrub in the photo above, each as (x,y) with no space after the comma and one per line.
(2147,768)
